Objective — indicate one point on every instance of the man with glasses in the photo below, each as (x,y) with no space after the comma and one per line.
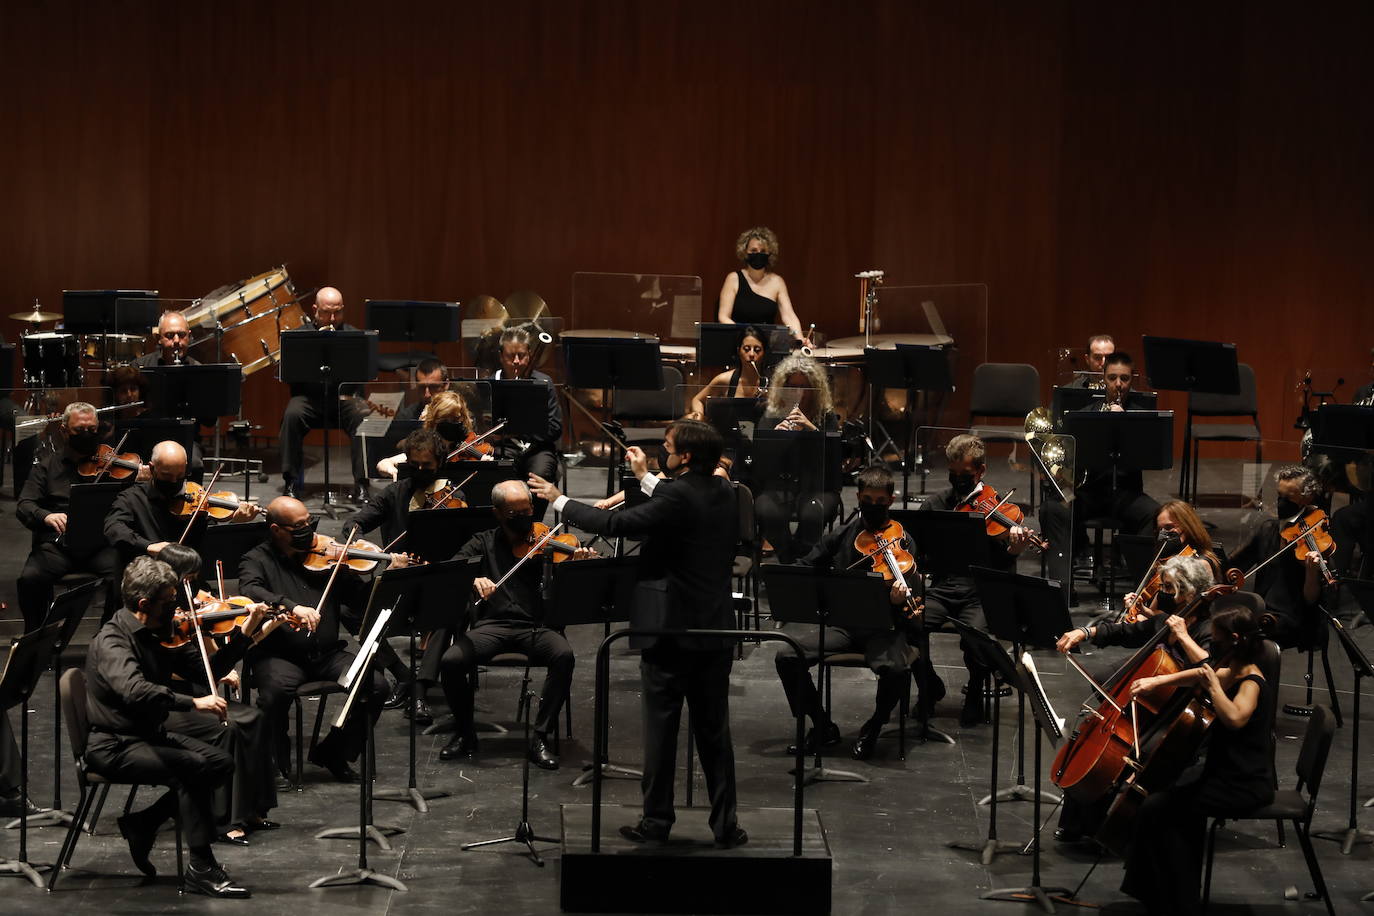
(431,377)
(173,337)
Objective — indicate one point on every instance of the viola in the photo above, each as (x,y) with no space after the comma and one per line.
(1310,533)
(1002,514)
(109,461)
(193,498)
(362,556)
(884,548)
(558,547)
(1145,595)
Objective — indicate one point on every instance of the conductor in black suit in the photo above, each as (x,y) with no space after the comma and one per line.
(684,583)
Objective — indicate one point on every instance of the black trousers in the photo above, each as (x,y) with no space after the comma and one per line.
(544,647)
(252,791)
(946,603)
(541,461)
(47,563)
(884,650)
(9,757)
(1063,527)
(192,768)
(775,510)
(277,679)
(1350,528)
(669,676)
(304,414)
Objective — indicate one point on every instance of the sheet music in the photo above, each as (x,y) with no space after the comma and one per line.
(368,647)
(1037,693)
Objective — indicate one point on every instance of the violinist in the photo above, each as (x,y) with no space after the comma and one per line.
(957,595)
(884,650)
(1177,528)
(275,572)
(241,803)
(129,697)
(448,415)
(505,619)
(42,508)
(1164,863)
(538,456)
(1290,587)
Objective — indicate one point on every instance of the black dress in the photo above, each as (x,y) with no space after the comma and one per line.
(1164,865)
(750,307)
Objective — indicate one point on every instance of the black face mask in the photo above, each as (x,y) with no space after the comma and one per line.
(452,431)
(423,478)
(757,259)
(1287,508)
(874,515)
(303,538)
(84,443)
(167,488)
(1166,603)
(1166,535)
(962,483)
(520,526)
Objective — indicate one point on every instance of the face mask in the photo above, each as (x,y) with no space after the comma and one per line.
(520,525)
(84,443)
(757,259)
(874,515)
(303,538)
(1287,508)
(452,431)
(962,483)
(167,488)
(1166,535)
(423,478)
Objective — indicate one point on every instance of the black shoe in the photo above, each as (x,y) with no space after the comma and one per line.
(1065,835)
(263,824)
(420,709)
(15,805)
(398,696)
(972,713)
(459,745)
(293,489)
(933,694)
(213,882)
(821,736)
(643,833)
(541,756)
(140,835)
(337,766)
(228,840)
(733,837)
(867,740)
(361,491)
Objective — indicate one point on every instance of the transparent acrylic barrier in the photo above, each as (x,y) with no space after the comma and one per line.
(1317,386)
(666,306)
(393,409)
(481,338)
(1235,485)
(1044,463)
(1069,366)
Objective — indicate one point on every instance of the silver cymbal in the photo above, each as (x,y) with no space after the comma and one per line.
(36,316)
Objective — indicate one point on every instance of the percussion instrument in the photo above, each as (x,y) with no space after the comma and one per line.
(890,341)
(114,349)
(51,360)
(252,316)
(37,316)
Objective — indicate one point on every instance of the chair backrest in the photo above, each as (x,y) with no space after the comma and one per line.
(72,689)
(1245,403)
(745,498)
(1316,747)
(665,404)
(1005,390)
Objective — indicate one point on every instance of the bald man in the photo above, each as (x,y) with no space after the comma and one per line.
(173,337)
(274,572)
(311,407)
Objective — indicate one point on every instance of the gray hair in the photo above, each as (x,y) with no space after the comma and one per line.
(146,578)
(76,407)
(508,491)
(1307,481)
(515,334)
(1190,575)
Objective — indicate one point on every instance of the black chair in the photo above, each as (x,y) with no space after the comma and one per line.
(662,406)
(857,660)
(1005,391)
(1296,805)
(744,572)
(1243,404)
(521,661)
(73,692)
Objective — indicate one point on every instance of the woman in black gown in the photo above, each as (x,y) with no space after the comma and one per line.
(754,294)
(1164,864)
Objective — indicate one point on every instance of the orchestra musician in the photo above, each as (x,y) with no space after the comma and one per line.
(275,572)
(311,407)
(1177,526)
(540,455)
(448,415)
(505,619)
(173,337)
(12,800)
(1100,346)
(126,385)
(743,381)
(1063,526)
(1163,868)
(431,377)
(754,294)
(129,697)
(684,583)
(884,650)
(956,595)
(42,508)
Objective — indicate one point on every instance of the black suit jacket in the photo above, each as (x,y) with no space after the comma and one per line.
(689,527)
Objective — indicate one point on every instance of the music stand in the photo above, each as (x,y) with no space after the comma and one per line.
(1066,398)
(523,405)
(1030,613)
(718,344)
(375,448)
(430,588)
(476,491)
(146,432)
(28,659)
(1360,666)
(209,391)
(407,321)
(612,363)
(110,311)
(437,534)
(327,359)
(810,457)
(854,601)
(911,368)
(86,511)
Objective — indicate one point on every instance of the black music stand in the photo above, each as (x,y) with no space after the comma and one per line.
(210,390)
(406,321)
(430,589)
(375,448)
(812,458)
(1030,613)
(438,534)
(522,404)
(86,511)
(611,363)
(855,601)
(328,359)
(110,311)
(477,491)
(1359,664)
(1066,398)
(913,369)
(28,659)
(146,432)
(718,344)
(1194,366)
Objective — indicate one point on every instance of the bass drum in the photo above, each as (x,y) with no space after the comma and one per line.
(252,315)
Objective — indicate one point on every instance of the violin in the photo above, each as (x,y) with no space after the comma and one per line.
(193,498)
(362,556)
(1145,595)
(1310,533)
(217,617)
(108,460)
(1002,514)
(445,497)
(891,559)
(541,542)
(474,444)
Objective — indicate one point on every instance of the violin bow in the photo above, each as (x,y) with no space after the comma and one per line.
(200,643)
(115,454)
(474,443)
(548,535)
(334,574)
(200,504)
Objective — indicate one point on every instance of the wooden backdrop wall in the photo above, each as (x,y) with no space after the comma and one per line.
(1197,170)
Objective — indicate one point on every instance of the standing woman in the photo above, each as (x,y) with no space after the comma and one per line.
(755,294)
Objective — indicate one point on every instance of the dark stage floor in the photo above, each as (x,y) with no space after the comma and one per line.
(888,835)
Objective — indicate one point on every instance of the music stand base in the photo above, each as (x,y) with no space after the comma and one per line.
(924,734)
(444,723)
(988,849)
(48,817)
(1348,838)
(28,870)
(1021,792)
(825,774)
(377,833)
(359,876)
(608,771)
(524,833)
(1370,803)
(416,798)
(1046,897)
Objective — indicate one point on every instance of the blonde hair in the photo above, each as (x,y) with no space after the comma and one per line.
(447,406)
(796,364)
(763,234)
(967,445)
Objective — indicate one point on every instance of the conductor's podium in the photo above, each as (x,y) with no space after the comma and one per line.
(688,874)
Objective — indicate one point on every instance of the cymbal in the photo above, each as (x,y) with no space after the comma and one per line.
(36,317)
(524,305)
(484,307)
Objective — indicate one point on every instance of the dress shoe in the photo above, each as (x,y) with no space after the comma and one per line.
(972,713)
(140,834)
(821,736)
(644,833)
(230,840)
(263,824)
(337,766)
(362,490)
(420,709)
(15,805)
(541,756)
(213,882)
(735,836)
(459,745)
(1065,835)
(933,694)
(398,696)
(867,740)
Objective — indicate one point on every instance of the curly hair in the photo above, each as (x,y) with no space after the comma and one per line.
(1308,485)
(797,364)
(763,234)
(447,406)
(1190,576)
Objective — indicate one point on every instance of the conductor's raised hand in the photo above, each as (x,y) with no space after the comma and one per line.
(639,462)
(542,489)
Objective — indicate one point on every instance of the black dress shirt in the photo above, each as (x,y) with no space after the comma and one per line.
(998,556)
(141,516)
(521,598)
(48,489)
(129,676)
(266,574)
(389,509)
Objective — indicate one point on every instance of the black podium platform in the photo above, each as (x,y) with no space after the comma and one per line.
(760,877)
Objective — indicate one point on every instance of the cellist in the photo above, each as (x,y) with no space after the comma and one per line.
(1182,580)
